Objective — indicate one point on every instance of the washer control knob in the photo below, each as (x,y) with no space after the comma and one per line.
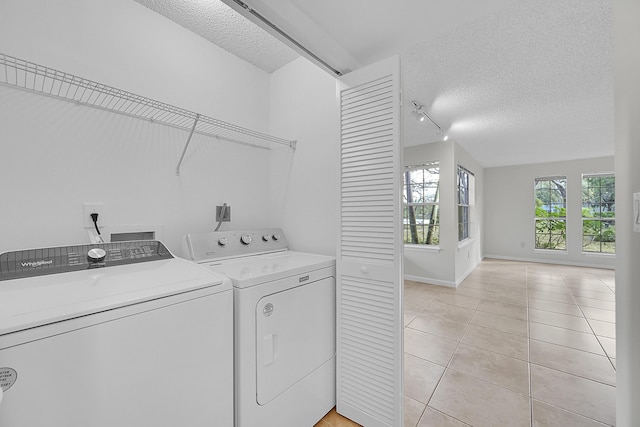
(222,241)
(276,237)
(96,255)
(246,239)
(266,238)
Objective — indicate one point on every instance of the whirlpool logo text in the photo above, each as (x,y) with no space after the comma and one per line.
(37,263)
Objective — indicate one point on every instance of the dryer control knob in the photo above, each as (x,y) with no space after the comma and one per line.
(246,239)
(266,238)
(276,237)
(96,255)
(222,241)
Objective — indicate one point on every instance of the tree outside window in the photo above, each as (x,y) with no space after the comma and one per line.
(421,199)
(551,213)
(598,213)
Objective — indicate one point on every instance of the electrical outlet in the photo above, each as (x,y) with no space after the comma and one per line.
(90,208)
(227,214)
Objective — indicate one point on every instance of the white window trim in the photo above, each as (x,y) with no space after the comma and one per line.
(466,242)
(421,247)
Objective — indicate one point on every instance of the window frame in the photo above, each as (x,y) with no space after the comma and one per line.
(550,218)
(435,205)
(465,201)
(599,218)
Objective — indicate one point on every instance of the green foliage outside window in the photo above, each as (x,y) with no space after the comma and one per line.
(551,213)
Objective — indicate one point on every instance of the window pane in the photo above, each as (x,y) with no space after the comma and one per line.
(598,211)
(551,203)
(421,205)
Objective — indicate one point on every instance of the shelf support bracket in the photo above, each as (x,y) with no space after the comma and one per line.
(184,151)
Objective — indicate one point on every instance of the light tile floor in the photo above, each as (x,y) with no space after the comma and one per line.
(516,344)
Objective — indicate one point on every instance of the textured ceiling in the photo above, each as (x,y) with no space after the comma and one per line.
(512,81)
(221,25)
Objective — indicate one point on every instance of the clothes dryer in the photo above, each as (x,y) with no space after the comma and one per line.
(284,325)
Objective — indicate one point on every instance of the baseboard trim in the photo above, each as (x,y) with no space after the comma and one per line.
(430,281)
(548,261)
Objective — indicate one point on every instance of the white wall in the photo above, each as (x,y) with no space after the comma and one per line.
(469,253)
(627,135)
(57,155)
(509,203)
(304,182)
(420,263)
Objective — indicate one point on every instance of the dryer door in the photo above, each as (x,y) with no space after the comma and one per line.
(295,334)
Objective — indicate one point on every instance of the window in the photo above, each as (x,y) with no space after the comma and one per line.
(598,213)
(551,213)
(421,218)
(465,199)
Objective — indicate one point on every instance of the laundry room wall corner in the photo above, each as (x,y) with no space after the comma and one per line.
(304,182)
(57,154)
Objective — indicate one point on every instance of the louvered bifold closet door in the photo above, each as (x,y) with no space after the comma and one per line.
(369,259)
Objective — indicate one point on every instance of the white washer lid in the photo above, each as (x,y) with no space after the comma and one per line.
(36,301)
(249,271)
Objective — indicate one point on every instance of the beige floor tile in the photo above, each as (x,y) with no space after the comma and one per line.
(545,279)
(556,289)
(433,418)
(412,411)
(545,415)
(579,395)
(428,346)
(500,323)
(596,286)
(550,296)
(556,307)
(565,337)
(409,315)
(613,361)
(473,284)
(479,403)
(452,312)
(599,314)
(459,300)
(420,378)
(471,292)
(513,290)
(576,362)
(596,303)
(497,341)
(606,296)
(603,329)
(507,298)
(504,309)
(438,325)
(498,369)
(609,345)
(557,319)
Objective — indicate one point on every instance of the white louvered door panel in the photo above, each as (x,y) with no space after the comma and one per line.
(369,259)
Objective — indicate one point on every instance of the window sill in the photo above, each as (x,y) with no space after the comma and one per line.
(551,251)
(599,254)
(422,248)
(465,242)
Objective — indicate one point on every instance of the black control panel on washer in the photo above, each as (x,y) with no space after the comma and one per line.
(39,262)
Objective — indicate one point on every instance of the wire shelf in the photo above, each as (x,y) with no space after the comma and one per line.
(48,81)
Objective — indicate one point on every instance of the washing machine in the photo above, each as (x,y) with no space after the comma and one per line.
(116,334)
(284,325)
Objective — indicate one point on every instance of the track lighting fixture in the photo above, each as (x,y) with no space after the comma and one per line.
(420,114)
